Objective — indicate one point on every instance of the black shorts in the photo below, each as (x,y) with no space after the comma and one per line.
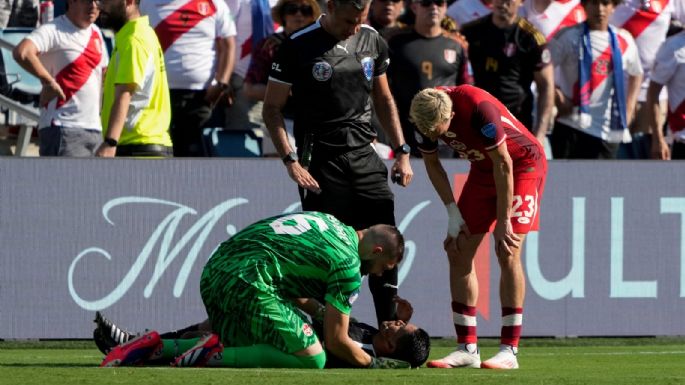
(570,143)
(354,188)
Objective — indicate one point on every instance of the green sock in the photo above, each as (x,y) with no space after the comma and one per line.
(266,356)
(172,349)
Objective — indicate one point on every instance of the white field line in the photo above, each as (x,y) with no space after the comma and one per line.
(626,353)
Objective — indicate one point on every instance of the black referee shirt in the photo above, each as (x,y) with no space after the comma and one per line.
(331,84)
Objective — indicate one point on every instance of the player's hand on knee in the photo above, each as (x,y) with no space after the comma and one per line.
(505,239)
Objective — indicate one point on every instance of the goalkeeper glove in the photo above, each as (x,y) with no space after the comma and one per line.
(388,363)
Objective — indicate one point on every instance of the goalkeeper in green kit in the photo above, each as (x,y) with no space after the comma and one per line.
(253,288)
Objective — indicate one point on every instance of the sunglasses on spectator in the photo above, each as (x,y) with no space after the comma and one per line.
(428,3)
(292,8)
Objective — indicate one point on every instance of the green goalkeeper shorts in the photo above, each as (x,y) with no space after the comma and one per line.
(245,315)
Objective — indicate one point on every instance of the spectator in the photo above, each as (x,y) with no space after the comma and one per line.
(465,11)
(594,101)
(384,17)
(550,16)
(198,39)
(135,109)
(334,68)
(69,57)
(291,15)
(669,71)
(19,13)
(647,21)
(424,57)
(245,113)
(507,54)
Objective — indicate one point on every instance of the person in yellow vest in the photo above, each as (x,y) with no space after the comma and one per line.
(136,109)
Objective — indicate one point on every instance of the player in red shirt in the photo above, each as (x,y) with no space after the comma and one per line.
(504,188)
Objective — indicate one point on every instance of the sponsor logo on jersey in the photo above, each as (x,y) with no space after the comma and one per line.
(307,330)
(489,130)
(367,67)
(450,55)
(322,71)
(353,297)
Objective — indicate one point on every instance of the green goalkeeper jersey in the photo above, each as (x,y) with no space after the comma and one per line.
(299,255)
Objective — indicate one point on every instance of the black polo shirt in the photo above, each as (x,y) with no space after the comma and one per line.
(331,84)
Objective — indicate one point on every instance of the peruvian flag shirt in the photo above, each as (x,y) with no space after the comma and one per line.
(647,21)
(669,70)
(464,11)
(564,49)
(187,31)
(76,58)
(558,14)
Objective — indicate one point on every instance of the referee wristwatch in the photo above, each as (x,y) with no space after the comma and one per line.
(111,142)
(402,149)
(290,158)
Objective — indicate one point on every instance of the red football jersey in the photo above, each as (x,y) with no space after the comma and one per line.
(480,124)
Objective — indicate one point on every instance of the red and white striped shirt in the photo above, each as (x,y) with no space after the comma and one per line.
(242,12)
(669,70)
(647,22)
(558,14)
(187,30)
(464,11)
(76,58)
(564,49)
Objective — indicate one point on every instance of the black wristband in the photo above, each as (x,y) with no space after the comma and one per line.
(111,142)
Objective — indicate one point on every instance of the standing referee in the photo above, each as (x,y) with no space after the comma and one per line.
(333,68)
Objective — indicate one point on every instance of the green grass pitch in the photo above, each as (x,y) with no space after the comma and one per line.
(543,361)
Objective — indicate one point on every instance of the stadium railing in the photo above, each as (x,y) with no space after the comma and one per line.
(19,90)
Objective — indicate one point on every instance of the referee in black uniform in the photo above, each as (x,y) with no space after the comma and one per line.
(333,68)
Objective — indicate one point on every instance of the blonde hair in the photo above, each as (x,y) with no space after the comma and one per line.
(429,108)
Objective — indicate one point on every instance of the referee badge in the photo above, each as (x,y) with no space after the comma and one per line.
(322,71)
(367,67)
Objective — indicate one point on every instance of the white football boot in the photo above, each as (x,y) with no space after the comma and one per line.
(504,359)
(465,357)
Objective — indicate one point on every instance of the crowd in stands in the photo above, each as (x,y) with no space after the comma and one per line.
(592,79)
